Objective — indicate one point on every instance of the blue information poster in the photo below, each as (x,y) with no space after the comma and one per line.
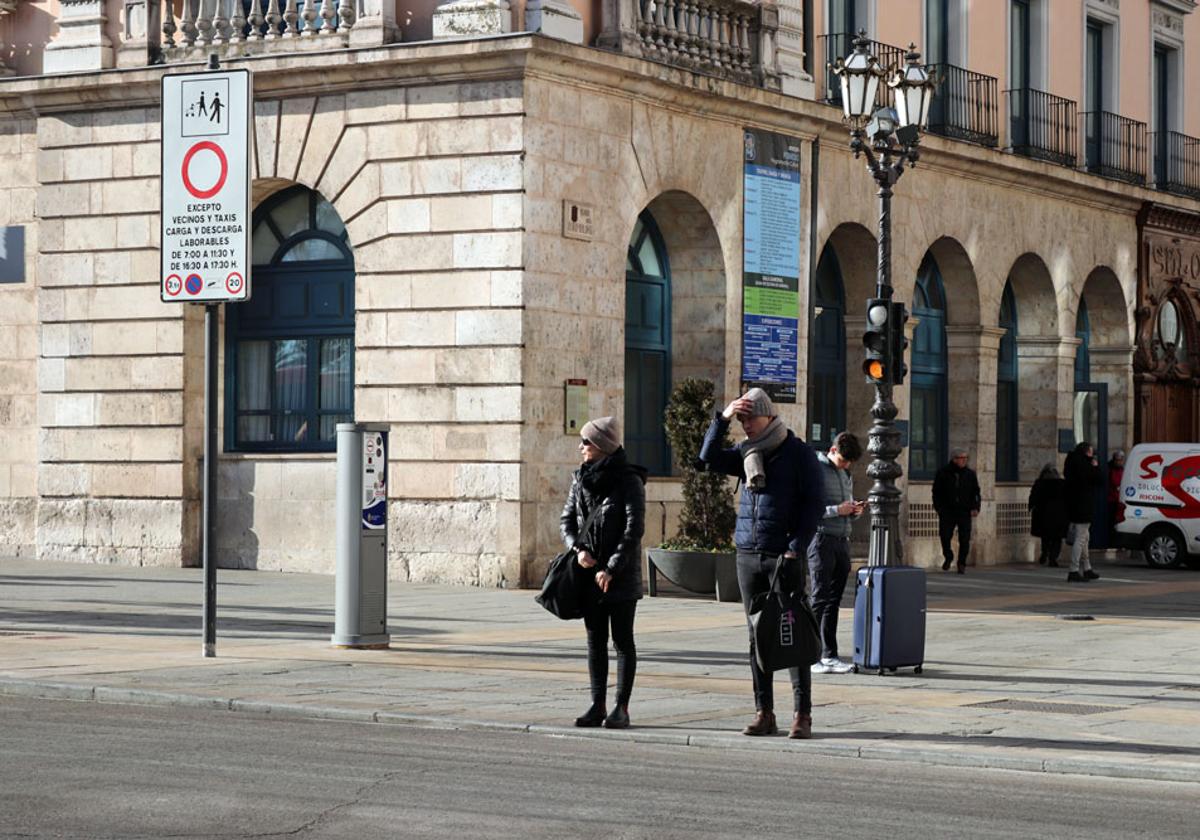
(770,263)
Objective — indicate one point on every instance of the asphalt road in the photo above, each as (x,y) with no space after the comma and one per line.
(96,771)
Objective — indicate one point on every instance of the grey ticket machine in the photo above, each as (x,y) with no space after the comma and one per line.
(360,620)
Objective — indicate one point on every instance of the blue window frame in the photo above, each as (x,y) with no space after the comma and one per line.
(647,346)
(929,408)
(827,354)
(1007,465)
(289,350)
(1083,331)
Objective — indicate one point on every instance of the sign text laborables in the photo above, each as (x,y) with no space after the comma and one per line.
(770,263)
(206,143)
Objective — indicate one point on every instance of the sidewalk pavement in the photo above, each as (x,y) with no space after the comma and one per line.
(1010,680)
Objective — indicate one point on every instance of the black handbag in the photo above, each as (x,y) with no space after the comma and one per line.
(785,629)
(563,589)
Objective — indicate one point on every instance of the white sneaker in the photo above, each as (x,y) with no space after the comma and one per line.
(836,666)
(820,667)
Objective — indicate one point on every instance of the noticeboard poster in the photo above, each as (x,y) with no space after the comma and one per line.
(770,263)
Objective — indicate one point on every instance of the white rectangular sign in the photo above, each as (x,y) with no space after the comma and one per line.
(206,146)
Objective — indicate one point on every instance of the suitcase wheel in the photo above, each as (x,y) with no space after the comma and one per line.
(918,669)
(854,669)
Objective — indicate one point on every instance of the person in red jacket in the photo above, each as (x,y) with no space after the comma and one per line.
(1116,472)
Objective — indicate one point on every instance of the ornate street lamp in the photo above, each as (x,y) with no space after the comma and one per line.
(888,139)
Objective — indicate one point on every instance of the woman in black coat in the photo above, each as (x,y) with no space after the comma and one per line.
(1048,514)
(611,552)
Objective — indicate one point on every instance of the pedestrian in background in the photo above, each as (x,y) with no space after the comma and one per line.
(957,501)
(1081,472)
(1048,514)
(829,551)
(611,550)
(1116,473)
(778,512)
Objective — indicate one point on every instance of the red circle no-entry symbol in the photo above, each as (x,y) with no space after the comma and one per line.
(204,146)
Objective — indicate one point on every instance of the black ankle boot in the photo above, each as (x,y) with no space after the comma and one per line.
(594,716)
(618,719)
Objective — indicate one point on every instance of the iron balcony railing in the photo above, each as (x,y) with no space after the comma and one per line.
(840,45)
(1176,163)
(1114,146)
(1042,126)
(965,105)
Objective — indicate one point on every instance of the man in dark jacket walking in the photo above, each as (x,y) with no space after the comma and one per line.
(956,500)
(781,504)
(1081,472)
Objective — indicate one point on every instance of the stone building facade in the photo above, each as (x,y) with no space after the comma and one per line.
(441,173)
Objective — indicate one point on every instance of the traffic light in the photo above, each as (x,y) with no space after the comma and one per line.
(877,341)
(899,342)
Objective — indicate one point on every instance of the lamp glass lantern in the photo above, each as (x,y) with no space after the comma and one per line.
(859,75)
(912,91)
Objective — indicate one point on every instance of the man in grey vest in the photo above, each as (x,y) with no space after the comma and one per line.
(829,551)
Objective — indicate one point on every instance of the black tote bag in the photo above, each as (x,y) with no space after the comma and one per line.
(785,630)
(563,589)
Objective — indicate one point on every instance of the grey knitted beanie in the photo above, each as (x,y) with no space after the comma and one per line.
(605,432)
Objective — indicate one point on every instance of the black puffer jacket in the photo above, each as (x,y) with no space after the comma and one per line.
(1083,481)
(615,536)
(1048,508)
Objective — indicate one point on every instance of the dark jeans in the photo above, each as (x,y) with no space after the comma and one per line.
(946,526)
(828,568)
(1051,548)
(597,620)
(754,572)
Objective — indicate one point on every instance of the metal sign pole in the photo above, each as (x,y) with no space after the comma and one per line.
(209,500)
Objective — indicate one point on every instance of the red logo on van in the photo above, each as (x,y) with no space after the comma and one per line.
(1147,472)
(1172,482)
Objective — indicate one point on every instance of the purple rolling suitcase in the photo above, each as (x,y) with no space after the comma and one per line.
(889,619)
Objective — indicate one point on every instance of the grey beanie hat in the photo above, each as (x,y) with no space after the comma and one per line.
(604,432)
(763,407)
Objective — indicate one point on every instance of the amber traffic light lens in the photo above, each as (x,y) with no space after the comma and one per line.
(875,369)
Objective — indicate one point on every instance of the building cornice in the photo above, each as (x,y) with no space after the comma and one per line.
(524,55)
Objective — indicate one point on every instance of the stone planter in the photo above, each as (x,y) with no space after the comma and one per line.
(696,571)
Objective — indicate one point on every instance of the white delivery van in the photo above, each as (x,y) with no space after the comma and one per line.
(1159,511)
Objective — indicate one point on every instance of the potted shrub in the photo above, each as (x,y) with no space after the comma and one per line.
(701,557)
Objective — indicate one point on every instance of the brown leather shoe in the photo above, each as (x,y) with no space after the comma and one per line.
(801,727)
(763,724)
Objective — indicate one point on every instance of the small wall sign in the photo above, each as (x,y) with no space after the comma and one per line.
(575,402)
(578,220)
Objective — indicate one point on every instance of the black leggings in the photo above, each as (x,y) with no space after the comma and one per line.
(597,620)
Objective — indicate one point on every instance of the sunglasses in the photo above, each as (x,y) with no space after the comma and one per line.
(586,442)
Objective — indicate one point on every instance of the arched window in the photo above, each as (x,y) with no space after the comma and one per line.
(1006,390)
(927,430)
(289,350)
(647,346)
(827,354)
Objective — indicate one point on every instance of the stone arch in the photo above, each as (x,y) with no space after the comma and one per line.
(1038,344)
(1109,351)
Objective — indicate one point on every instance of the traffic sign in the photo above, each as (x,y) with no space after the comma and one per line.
(206,147)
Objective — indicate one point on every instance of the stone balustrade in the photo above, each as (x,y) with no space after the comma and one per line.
(206,26)
(729,38)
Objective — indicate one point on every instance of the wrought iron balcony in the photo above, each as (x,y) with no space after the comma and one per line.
(965,105)
(733,39)
(1176,163)
(1114,146)
(1042,126)
(204,26)
(840,45)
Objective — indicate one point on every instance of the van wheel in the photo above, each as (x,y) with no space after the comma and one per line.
(1163,548)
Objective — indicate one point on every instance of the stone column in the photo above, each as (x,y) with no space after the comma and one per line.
(971,359)
(376,25)
(82,43)
(794,80)
(1039,360)
(1113,365)
(555,18)
(140,34)
(467,18)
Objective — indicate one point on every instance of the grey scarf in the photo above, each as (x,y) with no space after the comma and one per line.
(754,451)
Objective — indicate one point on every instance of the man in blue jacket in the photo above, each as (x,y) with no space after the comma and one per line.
(781,504)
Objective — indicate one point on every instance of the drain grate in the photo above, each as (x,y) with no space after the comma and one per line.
(1038,706)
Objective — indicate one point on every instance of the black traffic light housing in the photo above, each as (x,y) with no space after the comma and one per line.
(877,342)
(899,342)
